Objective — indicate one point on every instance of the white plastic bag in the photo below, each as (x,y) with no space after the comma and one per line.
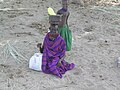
(35,62)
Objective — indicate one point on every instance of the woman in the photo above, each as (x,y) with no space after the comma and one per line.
(63,28)
(54,49)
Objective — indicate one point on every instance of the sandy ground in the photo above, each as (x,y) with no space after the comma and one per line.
(95,49)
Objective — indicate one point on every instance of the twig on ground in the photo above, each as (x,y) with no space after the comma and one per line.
(18,9)
(27,33)
(9,50)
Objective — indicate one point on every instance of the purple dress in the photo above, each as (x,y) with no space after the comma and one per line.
(53,51)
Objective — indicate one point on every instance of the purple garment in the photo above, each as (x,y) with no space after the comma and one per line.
(62,11)
(53,51)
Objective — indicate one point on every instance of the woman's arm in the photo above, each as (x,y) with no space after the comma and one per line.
(41,47)
(67,18)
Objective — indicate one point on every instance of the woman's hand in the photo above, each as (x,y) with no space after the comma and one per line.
(40,46)
(59,62)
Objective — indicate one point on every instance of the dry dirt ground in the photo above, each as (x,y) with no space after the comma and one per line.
(95,47)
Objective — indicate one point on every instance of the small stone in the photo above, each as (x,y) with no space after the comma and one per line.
(18,35)
(102,79)
(8,85)
(100,76)
(11,76)
(25,41)
(105,41)
(110,80)
(93,75)
(31,15)
(86,21)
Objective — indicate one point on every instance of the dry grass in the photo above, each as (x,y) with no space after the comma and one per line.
(10,50)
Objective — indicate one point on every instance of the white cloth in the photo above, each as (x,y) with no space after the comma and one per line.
(35,62)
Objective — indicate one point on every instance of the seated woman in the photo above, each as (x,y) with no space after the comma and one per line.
(54,49)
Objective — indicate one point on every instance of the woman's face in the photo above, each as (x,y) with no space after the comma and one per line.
(65,4)
(53,32)
(53,28)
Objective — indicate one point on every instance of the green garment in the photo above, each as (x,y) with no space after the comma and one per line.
(66,34)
